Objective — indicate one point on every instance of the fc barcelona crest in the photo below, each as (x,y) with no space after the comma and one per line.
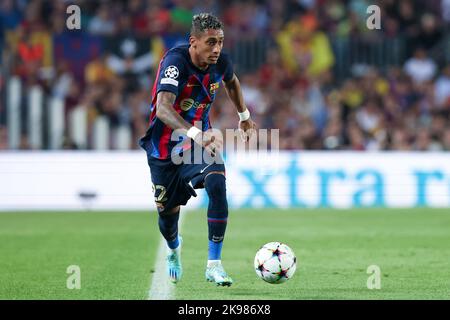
(213,87)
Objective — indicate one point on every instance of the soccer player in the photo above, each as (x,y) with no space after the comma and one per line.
(186,84)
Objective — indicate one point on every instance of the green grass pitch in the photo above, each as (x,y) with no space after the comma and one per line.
(116,253)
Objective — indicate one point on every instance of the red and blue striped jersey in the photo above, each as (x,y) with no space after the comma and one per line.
(195,92)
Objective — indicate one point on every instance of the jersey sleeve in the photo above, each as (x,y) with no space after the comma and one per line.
(171,74)
(227,67)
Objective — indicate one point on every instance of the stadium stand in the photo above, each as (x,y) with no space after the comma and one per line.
(314,71)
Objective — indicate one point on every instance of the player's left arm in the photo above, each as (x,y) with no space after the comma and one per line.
(246,124)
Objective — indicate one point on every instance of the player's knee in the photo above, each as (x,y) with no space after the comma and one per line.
(216,189)
(215,183)
(170,211)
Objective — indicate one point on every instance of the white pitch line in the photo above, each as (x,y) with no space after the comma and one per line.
(161,288)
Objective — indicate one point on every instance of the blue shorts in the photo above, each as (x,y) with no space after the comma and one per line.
(171,181)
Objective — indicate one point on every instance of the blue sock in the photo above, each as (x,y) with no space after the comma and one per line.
(214,250)
(173,244)
(217,214)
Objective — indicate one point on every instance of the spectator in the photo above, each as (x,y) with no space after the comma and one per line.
(422,140)
(10,16)
(303,49)
(442,89)
(101,23)
(401,140)
(429,34)
(420,67)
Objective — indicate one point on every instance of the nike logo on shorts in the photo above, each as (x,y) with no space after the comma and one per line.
(203,170)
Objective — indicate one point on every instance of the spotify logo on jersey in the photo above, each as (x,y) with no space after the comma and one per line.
(186,104)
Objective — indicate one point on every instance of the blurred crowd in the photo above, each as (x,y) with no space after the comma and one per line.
(109,66)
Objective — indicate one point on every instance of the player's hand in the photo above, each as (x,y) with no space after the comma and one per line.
(247,129)
(210,141)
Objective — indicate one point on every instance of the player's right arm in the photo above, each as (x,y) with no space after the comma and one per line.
(167,114)
(171,79)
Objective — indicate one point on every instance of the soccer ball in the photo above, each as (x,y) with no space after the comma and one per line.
(275,262)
